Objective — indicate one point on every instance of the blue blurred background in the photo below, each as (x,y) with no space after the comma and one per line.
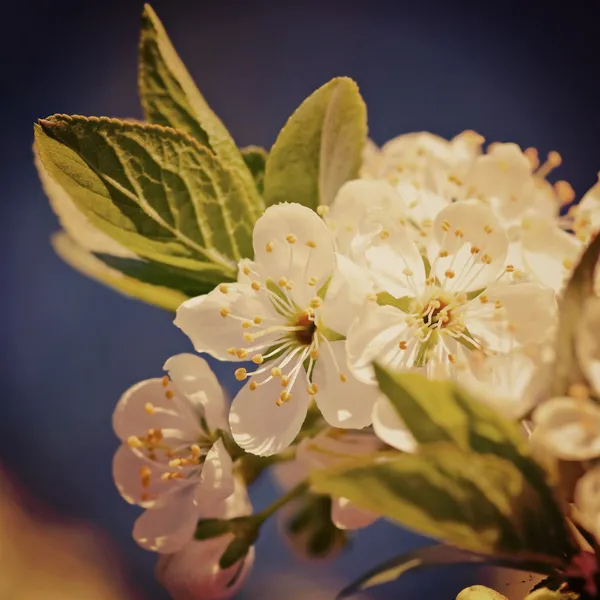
(513,71)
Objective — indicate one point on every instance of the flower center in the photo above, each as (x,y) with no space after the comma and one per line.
(437,313)
(308,327)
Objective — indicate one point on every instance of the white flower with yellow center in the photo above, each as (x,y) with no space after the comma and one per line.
(171,461)
(433,313)
(287,314)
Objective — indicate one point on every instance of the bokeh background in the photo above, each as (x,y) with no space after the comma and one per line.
(514,71)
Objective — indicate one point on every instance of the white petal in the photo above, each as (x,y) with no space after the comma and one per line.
(216,480)
(192,376)
(587,342)
(390,428)
(259,425)
(549,254)
(346,404)
(145,406)
(374,336)
(569,428)
(193,573)
(587,500)
(475,243)
(291,240)
(396,265)
(170,523)
(127,474)
(346,294)
(201,319)
(346,515)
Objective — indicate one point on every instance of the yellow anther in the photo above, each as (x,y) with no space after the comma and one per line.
(343,378)
(312,389)
(145,474)
(241,374)
(176,462)
(167,476)
(257,320)
(195,450)
(290,238)
(284,380)
(316,302)
(533,157)
(486,259)
(564,191)
(133,441)
(510,268)
(165,380)
(314,354)
(225,312)
(408,272)
(283,281)
(311,244)
(269,247)
(275,372)
(312,281)
(231,350)
(322,210)
(454,179)
(384,234)
(445,225)
(443,253)
(488,229)
(246,270)
(567,263)
(475,250)
(241,353)
(498,304)
(255,286)
(169,394)
(248,337)
(554,159)
(450,274)
(483,299)
(252,385)
(285,396)
(430,281)
(459,233)
(247,324)
(258,359)
(402,345)
(149,408)
(223,288)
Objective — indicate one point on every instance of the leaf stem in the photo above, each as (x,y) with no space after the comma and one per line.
(292,494)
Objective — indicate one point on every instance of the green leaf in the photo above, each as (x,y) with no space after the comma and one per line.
(255,158)
(478,502)
(579,289)
(170,98)
(386,299)
(236,550)
(210,528)
(154,190)
(320,147)
(85,262)
(441,411)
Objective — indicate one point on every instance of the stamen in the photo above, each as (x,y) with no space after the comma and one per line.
(322,210)
(240,374)
(554,160)
(258,359)
(311,244)
(133,441)
(225,312)
(533,157)
(269,247)
(169,394)
(564,191)
(291,238)
(165,380)
(149,408)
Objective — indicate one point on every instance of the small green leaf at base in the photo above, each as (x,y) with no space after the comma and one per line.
(319,148)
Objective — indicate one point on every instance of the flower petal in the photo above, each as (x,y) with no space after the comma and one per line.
(170,523)
(130,470)
(259,425)
(193,573)
(202,320)
(549,254)
(146,406)
(347,292)
(569,428)
(291,240)
(374,336)
(587,343)
(346,515)
(390,428)
(216,480)
(343,400)
(195,380)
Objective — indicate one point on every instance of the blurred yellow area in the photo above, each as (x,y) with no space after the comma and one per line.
(41,559)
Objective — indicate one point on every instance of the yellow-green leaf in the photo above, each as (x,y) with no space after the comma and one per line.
(320,147)
(255,158)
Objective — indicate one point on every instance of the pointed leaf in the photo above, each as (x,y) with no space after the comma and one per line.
(578,290)
(320,147)
(88,264)
(170,97)
(154,190)
(478,502)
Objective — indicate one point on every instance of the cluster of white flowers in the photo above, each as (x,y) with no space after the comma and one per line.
(443,259)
